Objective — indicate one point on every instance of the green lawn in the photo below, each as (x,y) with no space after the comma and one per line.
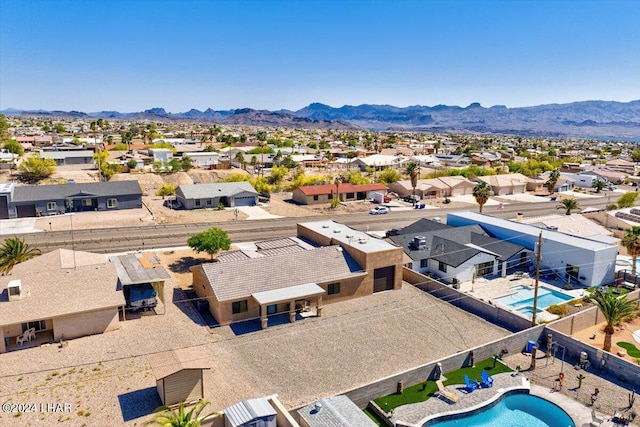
(375,418)
(632,350)
(420,393)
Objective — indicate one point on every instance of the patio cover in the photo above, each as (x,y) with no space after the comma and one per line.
(287,294)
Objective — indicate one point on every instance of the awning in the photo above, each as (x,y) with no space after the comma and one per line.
(288,294)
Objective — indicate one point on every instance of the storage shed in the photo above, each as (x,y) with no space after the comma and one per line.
(179,375)
(250,413)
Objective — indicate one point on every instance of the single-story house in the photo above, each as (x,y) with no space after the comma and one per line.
(453,160)
(324,193)
(513,183)
(434,187)
(333,411)
(575,259)
(178,375)
(61,295)
(203,159)
(379,162)
(622,165)
(164,155)
(458,185)
(458,254)
(22,201)
(608,175)
(66,158)
(230,194)
(581,180)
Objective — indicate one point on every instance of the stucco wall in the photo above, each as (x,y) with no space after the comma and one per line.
(79,325)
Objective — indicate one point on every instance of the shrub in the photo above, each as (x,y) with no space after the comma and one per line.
(612,207)
(560,310)
(334,203)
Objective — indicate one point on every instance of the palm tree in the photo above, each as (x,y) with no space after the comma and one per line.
(481,193)
(14,251)
(599,184)
(337,180)
(554,176)
(413,170)
(240,159)
(614,310)
(631,242)
(568,205)
(166,417)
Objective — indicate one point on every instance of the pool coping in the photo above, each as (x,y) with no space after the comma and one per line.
(526,386)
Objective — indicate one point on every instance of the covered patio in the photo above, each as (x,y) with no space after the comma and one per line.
(42,337)
(298,298)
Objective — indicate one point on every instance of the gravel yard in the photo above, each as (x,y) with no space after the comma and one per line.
(107,380)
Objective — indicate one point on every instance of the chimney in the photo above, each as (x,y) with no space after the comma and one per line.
(520,217)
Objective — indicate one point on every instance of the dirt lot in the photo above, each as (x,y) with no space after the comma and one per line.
(623,333)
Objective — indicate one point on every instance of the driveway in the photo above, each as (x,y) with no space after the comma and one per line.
(14,226)
(256,212)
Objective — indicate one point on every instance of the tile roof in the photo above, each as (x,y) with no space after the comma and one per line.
(239,279)
(53,287)
(32,193)
(169,362)
(316,190)
(221,189)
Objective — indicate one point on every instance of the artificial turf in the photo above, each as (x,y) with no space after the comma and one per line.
(632,350)
(421,391)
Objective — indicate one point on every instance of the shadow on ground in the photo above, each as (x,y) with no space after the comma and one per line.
(183,264)
(255,325)
(139,403)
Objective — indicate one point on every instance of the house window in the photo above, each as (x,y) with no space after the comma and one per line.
(350,195)
(208,202)
(112,203)
(484,269)
(315,197)
(442,266)
(239,306)
(51,206)
(198,202)
(87,202)
(39,325)
(272,309)
(424,263)
(330,196)
(333,289)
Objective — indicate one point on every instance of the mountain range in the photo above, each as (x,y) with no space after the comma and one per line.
(586,119)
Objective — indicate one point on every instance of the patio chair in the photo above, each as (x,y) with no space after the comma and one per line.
(470,384)
(20,339)
(487,380)
(596,420)
(31,334)
(446,394)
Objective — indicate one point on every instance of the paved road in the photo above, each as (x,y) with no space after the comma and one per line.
(107,240)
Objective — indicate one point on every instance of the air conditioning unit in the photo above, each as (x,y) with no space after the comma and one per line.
(419,243)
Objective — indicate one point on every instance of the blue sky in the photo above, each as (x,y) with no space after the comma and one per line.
(96,55)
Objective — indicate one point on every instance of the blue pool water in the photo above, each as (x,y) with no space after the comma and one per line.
(522,299)
(511,410)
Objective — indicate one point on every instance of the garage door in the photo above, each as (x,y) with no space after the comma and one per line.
(4,208)
(26,211)
(383,278)
(244,201)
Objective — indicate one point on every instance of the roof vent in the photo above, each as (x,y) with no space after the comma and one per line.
(552,227)
(337,230)
(363,240)
(348,236)
(14,289)
(419,243)
(325,225)
(317,407)
(339,249)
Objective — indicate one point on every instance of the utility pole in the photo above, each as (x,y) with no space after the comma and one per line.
(535,289)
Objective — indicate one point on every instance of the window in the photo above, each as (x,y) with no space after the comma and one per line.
(350,195)
(272,309)
(39,325)
(442,266)
(87,202)
(330,196)
(424,263)
(484,269)
(208,202)
(198,202)
(112,203)
(315,197)
(51,206)
(333,289)
(239,307)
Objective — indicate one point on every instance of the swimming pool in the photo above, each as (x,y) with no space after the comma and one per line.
(513,409)
(522,299)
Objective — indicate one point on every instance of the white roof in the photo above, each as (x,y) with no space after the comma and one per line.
(348,236)
(247,410)
(286,294)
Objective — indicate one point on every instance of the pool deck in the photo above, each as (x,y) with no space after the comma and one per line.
(416,414)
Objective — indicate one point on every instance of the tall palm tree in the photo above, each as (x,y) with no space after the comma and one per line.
(599,184)
(166,417)
(614,310)
(337,180)
(240,159)
(554,176)
(568,205)
(413,170)
(14,251)
(481,193)
(631,242)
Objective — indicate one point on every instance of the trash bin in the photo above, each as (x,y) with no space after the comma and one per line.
(530,346)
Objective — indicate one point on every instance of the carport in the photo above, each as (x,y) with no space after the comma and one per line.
(300,294)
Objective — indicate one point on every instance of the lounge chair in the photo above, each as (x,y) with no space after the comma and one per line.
(449,395)
(596,420)
(470,384)
(487,380)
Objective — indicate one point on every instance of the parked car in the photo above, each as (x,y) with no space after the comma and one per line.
(412,198)
(393,231)
(387,199)
(379,210)
(140,296)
